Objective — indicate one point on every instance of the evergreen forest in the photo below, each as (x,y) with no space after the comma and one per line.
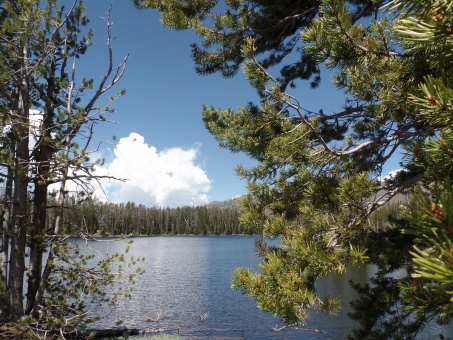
(93,217)
(98,218)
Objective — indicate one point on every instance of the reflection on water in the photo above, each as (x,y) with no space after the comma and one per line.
(186,288)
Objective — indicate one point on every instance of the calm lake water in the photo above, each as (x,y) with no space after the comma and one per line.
(187,279)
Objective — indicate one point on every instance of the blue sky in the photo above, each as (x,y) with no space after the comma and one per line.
(170,158)
(164,96)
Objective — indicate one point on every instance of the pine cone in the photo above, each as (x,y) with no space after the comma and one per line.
(436,210)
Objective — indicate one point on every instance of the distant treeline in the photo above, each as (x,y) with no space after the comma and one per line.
(385,217)
(96,217)
(107,219)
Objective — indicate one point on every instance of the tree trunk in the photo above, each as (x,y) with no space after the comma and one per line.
(39,299)
(6,226)
(37,245)
(42,154)
(22,156)
(18,238)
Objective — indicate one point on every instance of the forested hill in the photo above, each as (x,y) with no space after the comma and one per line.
(108,219)
(216,218)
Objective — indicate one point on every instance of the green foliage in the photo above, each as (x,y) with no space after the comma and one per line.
(430,222)
(39,42)
(318,180)
(274,27)
(89,216)
(81,281)
(284,284)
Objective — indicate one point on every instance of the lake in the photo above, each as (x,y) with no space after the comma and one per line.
(186,288)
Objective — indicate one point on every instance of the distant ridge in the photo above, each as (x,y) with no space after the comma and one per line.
(230,203)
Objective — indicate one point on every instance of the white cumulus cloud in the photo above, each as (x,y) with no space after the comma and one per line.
(170,177)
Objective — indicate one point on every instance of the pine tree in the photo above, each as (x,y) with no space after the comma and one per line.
(426,27)
(40,43)
(318,181)
(274,25)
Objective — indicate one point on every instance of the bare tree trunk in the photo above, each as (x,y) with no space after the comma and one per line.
(6,226)
(17,258)
(37,246)
(39,297)
(42,154)
(18,238)
(52,251)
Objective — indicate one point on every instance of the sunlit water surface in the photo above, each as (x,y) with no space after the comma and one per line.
(186,289)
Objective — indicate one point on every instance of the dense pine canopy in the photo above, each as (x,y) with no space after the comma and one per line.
(319,182)
(45,282)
